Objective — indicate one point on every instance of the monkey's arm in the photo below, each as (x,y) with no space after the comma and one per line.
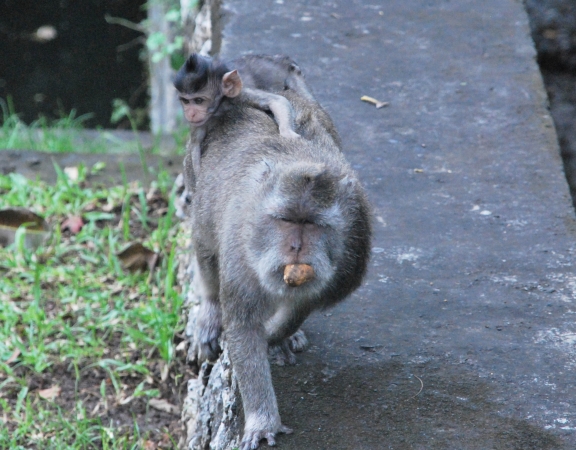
(192,158)
(280,107)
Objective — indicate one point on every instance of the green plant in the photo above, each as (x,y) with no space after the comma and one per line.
(80,337)
(66,134)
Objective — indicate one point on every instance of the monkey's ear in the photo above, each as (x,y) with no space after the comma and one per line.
(231,84)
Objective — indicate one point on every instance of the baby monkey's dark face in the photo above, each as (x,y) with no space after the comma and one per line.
(198,106)
(202,84)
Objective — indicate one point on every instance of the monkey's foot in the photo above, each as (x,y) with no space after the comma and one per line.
(298,342)
(251,439)
(283,354)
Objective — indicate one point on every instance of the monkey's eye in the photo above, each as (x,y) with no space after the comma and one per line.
(184,100)
(298,221)
(198,100)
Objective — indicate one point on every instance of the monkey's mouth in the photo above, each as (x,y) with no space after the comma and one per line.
(297,274)
(199,123)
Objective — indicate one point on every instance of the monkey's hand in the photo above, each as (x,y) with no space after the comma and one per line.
(208,340)
(252,438)
(208,330)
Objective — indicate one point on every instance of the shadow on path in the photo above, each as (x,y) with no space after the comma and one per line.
(386,406)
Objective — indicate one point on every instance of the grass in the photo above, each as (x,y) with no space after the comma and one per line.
(67,134)
(86,347)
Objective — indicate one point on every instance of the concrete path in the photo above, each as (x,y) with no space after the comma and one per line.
(463,336)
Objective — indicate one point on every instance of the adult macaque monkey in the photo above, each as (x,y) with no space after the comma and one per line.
(205,85)
(281,227)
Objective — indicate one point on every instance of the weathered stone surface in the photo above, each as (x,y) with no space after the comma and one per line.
(462,336)
(553,24)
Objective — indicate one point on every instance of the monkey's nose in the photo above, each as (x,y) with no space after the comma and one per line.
(298,274)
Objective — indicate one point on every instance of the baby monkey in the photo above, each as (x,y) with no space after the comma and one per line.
(204,85)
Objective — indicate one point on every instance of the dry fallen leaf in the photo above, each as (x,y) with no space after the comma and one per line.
(166,441)
(149,445)
(50,393)
(72,173)
(164,370)
(37,230)
(378,103)
(163,405)
(182,346)
(137,257)
(14,356)
(73,224)
(126,400)
(550,33)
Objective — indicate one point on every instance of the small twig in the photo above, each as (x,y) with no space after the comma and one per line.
(421,387)
(378,103)
(133,43)
(125,23)
(152,263)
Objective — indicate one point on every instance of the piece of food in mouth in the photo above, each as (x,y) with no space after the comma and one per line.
(298,274)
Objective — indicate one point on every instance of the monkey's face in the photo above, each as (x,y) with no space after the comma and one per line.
(197,107)
(298,218)
(281,240)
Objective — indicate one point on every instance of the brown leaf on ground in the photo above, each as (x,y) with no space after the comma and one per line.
(73,224)
(51,393)
(166,442)
(163,405)
(137,257)
(149,445)
(13,357)
(11,219)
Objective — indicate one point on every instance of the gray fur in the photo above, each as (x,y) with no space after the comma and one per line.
(263,201)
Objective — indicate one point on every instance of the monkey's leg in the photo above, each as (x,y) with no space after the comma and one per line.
(295,81)
(248,349)
(280,107)
(209,320)
(284,115)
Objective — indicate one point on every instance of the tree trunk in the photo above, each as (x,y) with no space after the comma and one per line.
(212,406)
(163,100)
